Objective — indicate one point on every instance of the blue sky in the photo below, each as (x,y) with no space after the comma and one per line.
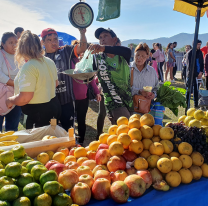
(140,19)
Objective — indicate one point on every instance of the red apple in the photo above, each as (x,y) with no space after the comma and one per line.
(90,163)
(81,194)
(72,165)
(68,179)
(129,156)
(119,192)
(71,152)
(146,176)
(91,155)
(116,163)
(102,174)
(119,175)
(99,167)
(101,189)
(130,171)
(103,146)
(102,156)
(87,179)
(84,170)
(136,185)
(156,175)
(64,150)
(50,163)
(58,168)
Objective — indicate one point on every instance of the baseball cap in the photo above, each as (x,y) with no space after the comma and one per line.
(100,30)
(48,31)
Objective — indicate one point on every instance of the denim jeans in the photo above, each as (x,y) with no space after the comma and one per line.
(11,119)
(193,90)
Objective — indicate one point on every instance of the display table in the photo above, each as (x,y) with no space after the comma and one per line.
(195,193)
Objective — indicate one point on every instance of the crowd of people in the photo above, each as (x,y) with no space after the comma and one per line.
(33,67)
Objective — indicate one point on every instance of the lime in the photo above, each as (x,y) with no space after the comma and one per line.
(9,192)
(62,199)
(51,187)
(24,179)
(30,165)
(22,159)
(1,165)
(4,203)
(61,189)
(25,162)
(37,171)
(19,151)
(5,181)
(22,201)
(2,172)
(24,170)
(13,169)
(43,200)
(48,176)
(32,190)
(6,157)
(1,150)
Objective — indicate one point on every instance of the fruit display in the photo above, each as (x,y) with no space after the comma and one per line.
(7,139)
(24,181)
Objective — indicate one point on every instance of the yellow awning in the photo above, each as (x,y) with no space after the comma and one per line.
(188,9)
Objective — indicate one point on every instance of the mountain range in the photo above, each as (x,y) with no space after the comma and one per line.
(182,39)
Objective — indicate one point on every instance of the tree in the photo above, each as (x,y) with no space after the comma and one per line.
(183,49)
(134,45)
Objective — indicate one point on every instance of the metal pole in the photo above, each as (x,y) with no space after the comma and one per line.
(193,59)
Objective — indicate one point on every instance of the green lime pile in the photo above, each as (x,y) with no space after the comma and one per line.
(26,182)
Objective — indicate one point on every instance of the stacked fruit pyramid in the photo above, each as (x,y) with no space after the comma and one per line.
(134,155)
(25,182)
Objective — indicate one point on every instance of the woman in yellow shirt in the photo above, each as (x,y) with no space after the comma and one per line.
(35,83)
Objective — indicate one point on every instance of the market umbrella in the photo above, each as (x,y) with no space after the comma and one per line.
(196,8)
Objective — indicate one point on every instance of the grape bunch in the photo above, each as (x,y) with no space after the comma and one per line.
(193,135)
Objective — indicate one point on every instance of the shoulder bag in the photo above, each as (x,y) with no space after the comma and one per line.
(5,91)
(141,103)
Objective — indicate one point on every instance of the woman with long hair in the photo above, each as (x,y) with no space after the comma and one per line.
(8,71)
(154,63)
(35,83)
(171,61)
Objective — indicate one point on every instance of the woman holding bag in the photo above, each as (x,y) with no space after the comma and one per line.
(35,83)
(8,71)
(142,74)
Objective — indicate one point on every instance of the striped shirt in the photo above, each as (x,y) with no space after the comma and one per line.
(147,77)
(64,91)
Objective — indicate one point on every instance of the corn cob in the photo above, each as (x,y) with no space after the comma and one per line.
(8,143)
(8,138)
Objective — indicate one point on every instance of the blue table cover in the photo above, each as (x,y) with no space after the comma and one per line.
(193,194)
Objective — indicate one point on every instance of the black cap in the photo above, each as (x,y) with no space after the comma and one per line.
(100,30)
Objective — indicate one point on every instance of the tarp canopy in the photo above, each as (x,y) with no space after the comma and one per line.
(189,7)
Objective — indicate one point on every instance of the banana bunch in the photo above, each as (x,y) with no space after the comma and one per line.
(7,139)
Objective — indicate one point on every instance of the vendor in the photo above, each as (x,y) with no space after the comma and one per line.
(143,74)
(35,83)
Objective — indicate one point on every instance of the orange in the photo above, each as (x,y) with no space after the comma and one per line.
(134,123)
(111,139)
(103,138)
(147,119)
(59,156)
(81,160)
(164,165)
(116,148)
(156,148)
(70,158)
(147,132)
(137,116)
(141,164)
(135,134)
(50,154)
(122,120)
(174,154)
(122,129)
(124,139)
(43,158)
(94,145)
(156,139)
(146,143)
(145,153)
(112,129)
(80,152)
(136,146)
(156,129)
(152,160)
